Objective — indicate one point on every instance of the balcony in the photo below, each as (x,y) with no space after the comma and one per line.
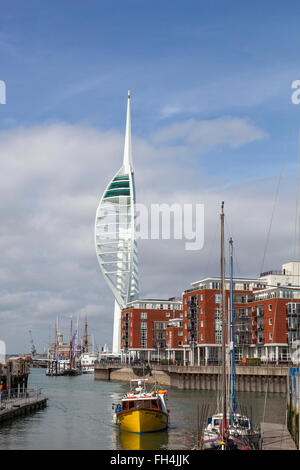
(268,273)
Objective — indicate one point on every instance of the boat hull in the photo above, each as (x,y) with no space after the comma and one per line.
(139,421)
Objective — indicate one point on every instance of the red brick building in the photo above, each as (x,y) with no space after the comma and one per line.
(266,320)
(143,327)
(202,317)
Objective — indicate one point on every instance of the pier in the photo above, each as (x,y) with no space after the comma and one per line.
(276,437)
(271,379)
(15,404)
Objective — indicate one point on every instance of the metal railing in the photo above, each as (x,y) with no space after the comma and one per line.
(13,395)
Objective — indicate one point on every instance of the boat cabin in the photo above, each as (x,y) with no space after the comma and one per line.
(146,403)
(238,420)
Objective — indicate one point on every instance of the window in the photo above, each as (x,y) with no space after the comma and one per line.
(154,404)
(179,343)
(217,298)
(201,323)
(143,315)
(201,297)
(180,333)
(270,307)
(181,315)
(270,321)
(201,311)
(131,404)
(167,314)
(216,285)
(143,334)
(270,336)
(201,337)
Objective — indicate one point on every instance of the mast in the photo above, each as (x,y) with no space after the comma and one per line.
(232,328)
(224,322)
(71,346)
(86,342)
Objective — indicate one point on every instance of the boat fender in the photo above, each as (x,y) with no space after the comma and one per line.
(168,411)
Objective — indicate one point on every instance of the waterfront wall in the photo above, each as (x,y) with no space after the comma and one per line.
(269,379)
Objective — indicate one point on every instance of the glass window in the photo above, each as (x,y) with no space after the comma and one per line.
(131,404)
(154,404)
(125,405)
(146,403)
(143,315)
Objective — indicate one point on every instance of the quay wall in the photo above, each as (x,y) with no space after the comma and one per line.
(272,379)
(21,407)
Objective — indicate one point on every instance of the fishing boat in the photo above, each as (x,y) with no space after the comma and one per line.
(227,429)
(140,411)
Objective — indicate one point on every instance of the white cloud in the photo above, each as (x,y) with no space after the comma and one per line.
(51,179)
(207,134)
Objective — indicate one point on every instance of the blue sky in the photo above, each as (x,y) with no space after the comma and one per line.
(74,61)
(211,109)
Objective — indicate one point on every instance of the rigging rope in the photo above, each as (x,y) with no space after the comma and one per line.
(277,191)
(297,254)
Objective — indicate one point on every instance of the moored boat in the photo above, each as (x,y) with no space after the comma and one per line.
(142,411)
(227,429)
(87,362)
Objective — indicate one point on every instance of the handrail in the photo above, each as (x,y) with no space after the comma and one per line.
(14,394)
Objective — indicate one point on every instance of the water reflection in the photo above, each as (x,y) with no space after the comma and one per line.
(147,441)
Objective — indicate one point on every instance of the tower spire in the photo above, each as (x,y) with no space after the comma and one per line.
(127,160)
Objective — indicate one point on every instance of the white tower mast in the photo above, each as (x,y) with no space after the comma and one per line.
(115,242)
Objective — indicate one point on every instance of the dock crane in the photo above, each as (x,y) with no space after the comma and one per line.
(33,349)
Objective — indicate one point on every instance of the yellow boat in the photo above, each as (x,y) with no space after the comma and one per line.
(142,411)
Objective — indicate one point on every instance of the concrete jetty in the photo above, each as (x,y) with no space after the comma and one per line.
(21,405)
(276,437)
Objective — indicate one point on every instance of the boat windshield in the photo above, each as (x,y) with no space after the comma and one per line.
(217,422)
(141,404)
(244,423)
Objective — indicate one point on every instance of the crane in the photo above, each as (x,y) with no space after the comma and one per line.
(33,349)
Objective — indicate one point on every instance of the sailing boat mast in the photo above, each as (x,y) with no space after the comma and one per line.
(232,328)
(86,343)
(224,323)
(71,346)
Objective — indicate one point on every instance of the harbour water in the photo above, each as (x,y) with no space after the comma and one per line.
(79,416)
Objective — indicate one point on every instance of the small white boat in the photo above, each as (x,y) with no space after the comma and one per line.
(238,426)
(87,362)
